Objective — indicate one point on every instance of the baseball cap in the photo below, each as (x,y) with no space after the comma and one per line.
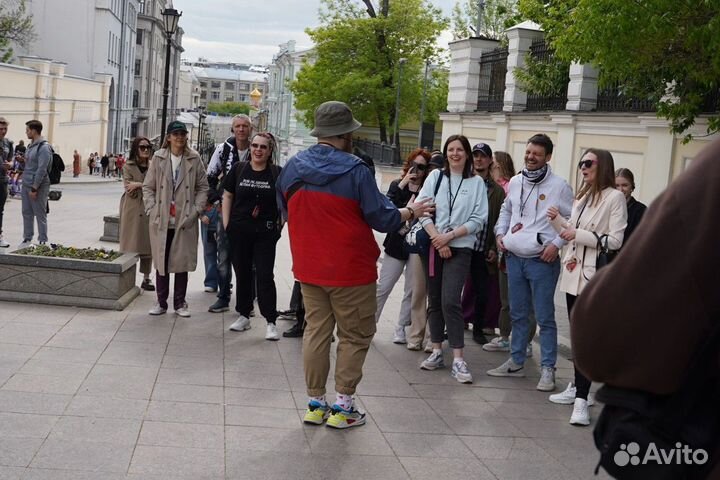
(484,148)
(176,126)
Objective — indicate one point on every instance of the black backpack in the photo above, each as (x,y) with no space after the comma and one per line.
(632,420)
(56,166)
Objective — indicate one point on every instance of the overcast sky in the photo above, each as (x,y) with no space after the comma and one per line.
(250,32)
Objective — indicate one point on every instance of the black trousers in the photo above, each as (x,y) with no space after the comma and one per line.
(297,305)
(162,282)
(582,383)
(3,199)
(259,249)
(479,276)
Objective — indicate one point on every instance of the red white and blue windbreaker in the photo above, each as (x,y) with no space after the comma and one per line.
(334,204)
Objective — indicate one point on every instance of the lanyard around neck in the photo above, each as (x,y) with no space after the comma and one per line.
(522,192)
(451,198)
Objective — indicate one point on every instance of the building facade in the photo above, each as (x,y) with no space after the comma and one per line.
(73,110)
(94,38)
(188,89)
(149,71)
(218,85)
(486,103)
(292,134)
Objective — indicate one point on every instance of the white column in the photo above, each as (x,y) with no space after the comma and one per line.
(564,161)
(502,132)
(520,37)
(464,78)
(657,169)
(583,87)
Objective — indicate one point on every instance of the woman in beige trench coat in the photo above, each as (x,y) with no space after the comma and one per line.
(175,192)
(134,231)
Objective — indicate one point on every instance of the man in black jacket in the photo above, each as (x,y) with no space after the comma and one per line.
(235,148)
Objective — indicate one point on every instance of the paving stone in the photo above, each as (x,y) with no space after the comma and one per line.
(114,431)
(182,435)
(25,334)
(327,441)
(11,473)
(24,425)
(119,381)
(261,417)
(187,393)
(178,463)
(424,469)
(424,445)
(17,452)
(83,455)
(260,398)
(266,439)
(203,413)
(106,407)
(29,402)
(43,384)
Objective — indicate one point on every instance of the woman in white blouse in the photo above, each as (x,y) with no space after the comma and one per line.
(599,216)
(461,210)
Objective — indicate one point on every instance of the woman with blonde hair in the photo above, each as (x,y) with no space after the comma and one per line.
(175,192)
(598,219)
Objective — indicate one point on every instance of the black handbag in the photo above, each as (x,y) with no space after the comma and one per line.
(604,255)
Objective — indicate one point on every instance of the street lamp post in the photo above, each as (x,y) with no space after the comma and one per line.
(171,18)
(422,104)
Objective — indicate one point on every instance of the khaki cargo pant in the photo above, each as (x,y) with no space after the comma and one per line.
(353,310)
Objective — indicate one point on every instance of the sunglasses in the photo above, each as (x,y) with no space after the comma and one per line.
(144,147)
(421,167)
(259,145)
(586,163)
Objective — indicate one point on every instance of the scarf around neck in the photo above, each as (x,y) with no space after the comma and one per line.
(535,176)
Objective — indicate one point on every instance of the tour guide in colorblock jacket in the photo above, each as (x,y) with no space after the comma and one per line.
(334,246)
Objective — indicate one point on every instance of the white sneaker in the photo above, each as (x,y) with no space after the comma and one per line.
(580,415)
(24,244)
(241,324)
(433,362)
(566,397)
(399,336)
(157,310)
(3,243)
(210,289)
(183,311)
(547,379)
(460,372)
(507,369)
(497,344)
(271,333)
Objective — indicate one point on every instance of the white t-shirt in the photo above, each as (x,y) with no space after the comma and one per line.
(175,165)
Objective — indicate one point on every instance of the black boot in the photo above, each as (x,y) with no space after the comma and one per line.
(294,332)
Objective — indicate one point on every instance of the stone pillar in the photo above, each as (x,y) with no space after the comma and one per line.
(520,37)
(42,83)
(464,78)
(564,158)
(502,132)
(106,78)
(583,87)
(658,162)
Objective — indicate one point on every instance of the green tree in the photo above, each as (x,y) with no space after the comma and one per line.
(16,28)
(498,16)
(667,51)
(229,108)
(358,48)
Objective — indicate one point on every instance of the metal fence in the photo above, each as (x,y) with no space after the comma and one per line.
(493,68)
(711,102)
(611,98)
(383,153)
(536,102)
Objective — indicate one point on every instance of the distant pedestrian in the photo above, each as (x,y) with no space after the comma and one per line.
(134,226)
(175,192)
(333,204)
(104,162)
(36,184)
(76,164)
(6,162)
(91,164)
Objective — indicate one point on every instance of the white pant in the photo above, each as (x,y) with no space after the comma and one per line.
(390,272)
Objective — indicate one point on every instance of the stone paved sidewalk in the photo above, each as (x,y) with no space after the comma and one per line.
(89,394)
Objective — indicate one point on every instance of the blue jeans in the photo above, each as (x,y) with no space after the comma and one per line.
(532,282)
(207,233)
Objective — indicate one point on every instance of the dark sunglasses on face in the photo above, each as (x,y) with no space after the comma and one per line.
(419,166)
(259,145)
(144,147)
(586,163)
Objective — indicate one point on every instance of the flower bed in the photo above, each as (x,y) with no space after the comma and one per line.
(56,275)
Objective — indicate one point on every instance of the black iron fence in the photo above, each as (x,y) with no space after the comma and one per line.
(493,68)
(612,98)
(557,73)
(711,102)
(383,153)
